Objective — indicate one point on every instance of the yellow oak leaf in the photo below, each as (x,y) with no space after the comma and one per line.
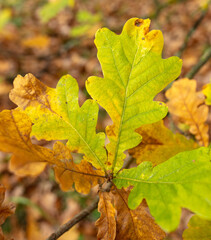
(187,104)
(31,159)
(5,209)
(56,115)
(159,144)
(134,224)
(106,224)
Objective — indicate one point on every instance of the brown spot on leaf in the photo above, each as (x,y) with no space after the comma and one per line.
(139,22)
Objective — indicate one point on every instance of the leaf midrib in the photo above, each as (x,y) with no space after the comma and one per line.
(93,153)
(125,99)
(157,182)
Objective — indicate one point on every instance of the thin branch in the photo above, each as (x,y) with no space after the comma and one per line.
(84,213)
(65,227)
(192,30)
(204,58)
(159,7)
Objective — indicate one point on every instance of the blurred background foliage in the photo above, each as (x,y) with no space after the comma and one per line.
(50,38)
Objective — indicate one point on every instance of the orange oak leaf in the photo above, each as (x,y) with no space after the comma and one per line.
(106,224)
(134,224)
(5,209)
(159,144)
(82,174)
(31,159)
(56,115)
(15,129)
(188,105)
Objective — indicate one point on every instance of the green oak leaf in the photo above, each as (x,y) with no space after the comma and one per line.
(134,72)
(56,115)
(182,181)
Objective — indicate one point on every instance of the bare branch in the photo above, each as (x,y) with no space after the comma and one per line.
(204,58)
(65,227)
(192,30)
(84,213)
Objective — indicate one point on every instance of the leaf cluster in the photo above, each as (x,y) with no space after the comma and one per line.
(171,173)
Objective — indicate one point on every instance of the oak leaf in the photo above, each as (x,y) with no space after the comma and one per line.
(82,174)
(31,159)
(106,224)
(5,209)
(15,129)
(198,228)
(134,224)
(207,93)
(187,104)
(134,72)
(181,181)
(159,144)
(56,115)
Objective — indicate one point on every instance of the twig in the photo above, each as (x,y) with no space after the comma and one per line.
(65,227)
(159,6)
(203,59)
(192,30)
(84,213)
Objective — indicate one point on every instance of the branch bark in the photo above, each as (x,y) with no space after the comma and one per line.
(84,213)
(192,30)
(203,59)
(65,227)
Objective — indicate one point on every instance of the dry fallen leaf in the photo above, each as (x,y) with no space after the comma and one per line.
(38,41)
(188,105)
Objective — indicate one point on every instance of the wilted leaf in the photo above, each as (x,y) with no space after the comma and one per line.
(57,116)
(187,104)
(198,228)
(40,41)
(134,224)
(31,159)
(182,181)
(207,93)
(5,209)
(106,224)
(134,72)
(159,144)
